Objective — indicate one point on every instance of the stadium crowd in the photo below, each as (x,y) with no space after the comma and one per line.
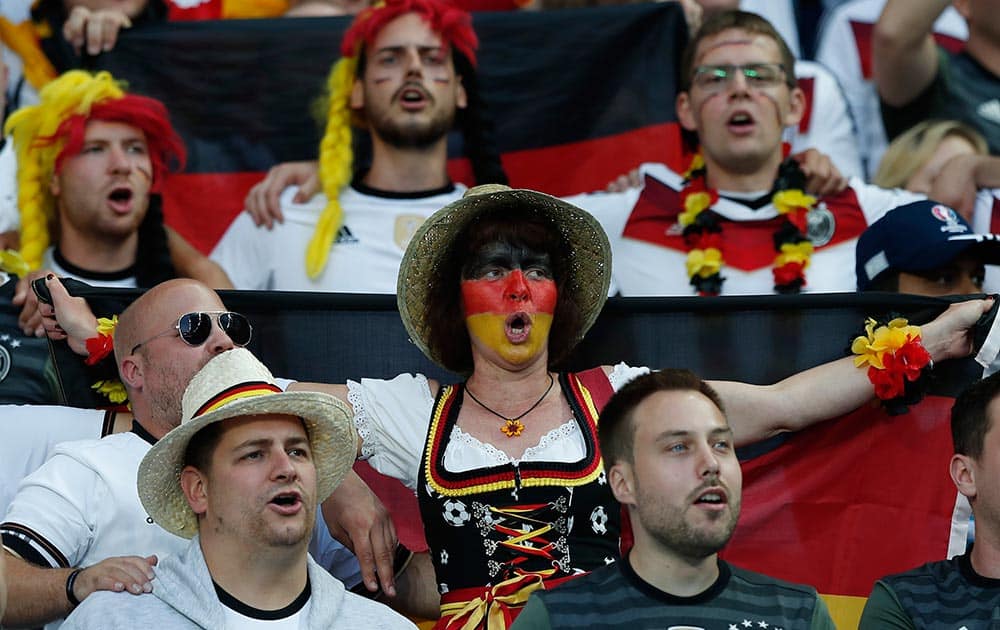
(843,149)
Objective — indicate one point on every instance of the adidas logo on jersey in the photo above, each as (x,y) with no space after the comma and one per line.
(345,235)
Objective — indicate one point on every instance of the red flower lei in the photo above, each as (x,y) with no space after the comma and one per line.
(896,360)
(703,230)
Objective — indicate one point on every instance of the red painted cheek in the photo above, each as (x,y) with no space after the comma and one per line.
(482,296)
(545,296)
(486,296)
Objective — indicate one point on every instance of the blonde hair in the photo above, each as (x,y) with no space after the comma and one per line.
(336,159)
(912,149)
(35,131)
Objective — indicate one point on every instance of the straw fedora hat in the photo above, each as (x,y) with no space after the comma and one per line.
(588,268)
(232,385)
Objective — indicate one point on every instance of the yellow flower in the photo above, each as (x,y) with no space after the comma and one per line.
(11,262)
(794,252)
(694,204)
(113,389)
(107,326)
(512,428)
(697,163)
(786,201)
(873,346)
(704,262)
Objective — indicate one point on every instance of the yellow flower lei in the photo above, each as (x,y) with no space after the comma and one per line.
(872,347)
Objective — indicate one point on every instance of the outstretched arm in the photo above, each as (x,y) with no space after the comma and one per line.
(830,390)
(904,55)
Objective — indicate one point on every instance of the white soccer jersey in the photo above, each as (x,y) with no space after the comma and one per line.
(650,254)
(31,433)
(365,256)
(844,46)
(827,125)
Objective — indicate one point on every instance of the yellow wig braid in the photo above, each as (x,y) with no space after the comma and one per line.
(73,93)
(335,163)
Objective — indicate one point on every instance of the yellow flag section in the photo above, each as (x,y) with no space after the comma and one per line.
(845,610)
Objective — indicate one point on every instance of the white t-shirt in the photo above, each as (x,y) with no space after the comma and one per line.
(29,435)
(123,280)
(393,416)
(827,125)
(364,258)
(10,217)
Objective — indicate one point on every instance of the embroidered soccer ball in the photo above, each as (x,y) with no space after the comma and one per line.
(455,513)
(599,520)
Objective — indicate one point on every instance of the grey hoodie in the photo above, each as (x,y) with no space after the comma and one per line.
(184,597)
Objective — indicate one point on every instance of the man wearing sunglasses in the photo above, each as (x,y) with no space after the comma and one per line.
(76,525)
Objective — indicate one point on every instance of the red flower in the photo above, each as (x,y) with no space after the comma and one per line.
(798,218)
(912,358)
(888,383)
(789,273)
(99,347)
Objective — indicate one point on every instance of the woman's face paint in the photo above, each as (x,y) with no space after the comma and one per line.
(509,296)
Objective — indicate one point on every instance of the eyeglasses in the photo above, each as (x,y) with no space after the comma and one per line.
(194,329)
(757,75)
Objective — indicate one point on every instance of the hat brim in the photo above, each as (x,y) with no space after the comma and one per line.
(332,439)
(588,267)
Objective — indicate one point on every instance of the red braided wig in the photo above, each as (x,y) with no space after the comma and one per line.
(166,149)
(451,23)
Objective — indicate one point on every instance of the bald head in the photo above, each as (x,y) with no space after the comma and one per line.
(159,308)
(156,375)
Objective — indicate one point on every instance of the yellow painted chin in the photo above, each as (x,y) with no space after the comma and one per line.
(489,329)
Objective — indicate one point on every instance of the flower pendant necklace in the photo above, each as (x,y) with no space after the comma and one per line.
(512,427)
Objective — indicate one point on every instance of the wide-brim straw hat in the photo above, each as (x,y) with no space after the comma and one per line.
(588,269)
(232,385)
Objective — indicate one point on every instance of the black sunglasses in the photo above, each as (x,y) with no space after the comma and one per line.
(195,328)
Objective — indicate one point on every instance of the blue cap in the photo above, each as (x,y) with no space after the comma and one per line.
(917,237)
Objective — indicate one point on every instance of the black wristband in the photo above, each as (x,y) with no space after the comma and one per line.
(70,581)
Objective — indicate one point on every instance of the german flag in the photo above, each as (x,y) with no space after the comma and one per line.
(578,97)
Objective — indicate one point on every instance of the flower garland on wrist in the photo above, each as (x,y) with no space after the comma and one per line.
(99,347)
(702,230)
(896,360)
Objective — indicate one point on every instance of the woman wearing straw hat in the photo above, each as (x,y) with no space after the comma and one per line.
(499,286)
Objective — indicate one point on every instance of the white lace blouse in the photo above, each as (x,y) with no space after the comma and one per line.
(392,417)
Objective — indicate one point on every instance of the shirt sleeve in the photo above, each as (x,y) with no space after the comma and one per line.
(10,217)
(623,373)
(534,616)
(883,611)
(392,418)
(49,522)
(821,616)
(875,202)
(244,253)
(333,556)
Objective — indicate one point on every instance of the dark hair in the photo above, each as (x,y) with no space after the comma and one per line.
(201,446)
(445,316)
(744,21)
(616,430)
(969,421)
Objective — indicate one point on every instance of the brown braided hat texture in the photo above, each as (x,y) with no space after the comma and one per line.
(588,268)
(232,385)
